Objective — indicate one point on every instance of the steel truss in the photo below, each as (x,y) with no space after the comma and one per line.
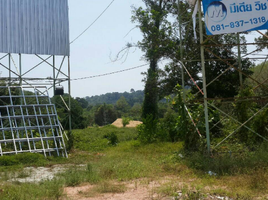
(29,122)
(226,112)
(14,72)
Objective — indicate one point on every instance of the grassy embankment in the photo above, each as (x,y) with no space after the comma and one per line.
(112,156)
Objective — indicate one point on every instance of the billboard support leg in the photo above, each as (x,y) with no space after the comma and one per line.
(204,75)
(9,66)
(54,76)
(20,69)
(69,91)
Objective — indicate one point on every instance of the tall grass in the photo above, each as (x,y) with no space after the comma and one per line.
(130,160)
(97,138)
(236,175)
(26,191)
(245,162)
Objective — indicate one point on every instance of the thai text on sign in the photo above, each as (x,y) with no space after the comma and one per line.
(230,16)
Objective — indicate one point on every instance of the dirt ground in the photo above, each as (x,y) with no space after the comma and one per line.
(142,189)
(118,123)
(134,190)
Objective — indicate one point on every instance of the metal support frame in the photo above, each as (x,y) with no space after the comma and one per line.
(224,116)
(25,76)
(30,126)
(204,76)
(203,48)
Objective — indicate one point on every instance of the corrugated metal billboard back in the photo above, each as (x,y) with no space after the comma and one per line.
(34,27)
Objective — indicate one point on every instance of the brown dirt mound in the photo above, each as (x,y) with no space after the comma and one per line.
(118,123)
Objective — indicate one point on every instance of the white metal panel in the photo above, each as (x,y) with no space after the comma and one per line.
(34,27)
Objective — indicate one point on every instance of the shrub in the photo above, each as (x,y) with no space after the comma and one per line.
(125,121)
(112,138)
(23,158)
(147,132)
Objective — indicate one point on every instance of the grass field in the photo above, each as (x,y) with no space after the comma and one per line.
(110,157)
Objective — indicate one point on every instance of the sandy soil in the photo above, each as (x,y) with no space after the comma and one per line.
(118,123)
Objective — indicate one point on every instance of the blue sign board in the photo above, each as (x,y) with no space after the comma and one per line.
(230,16)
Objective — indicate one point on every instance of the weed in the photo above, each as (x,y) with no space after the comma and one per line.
(169,189)
(259,181)
(23,174)
(45,190)
(228,164)
(77,175)
(73,177)
(109,187)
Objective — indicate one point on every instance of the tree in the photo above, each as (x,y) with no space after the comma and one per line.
(105,114)
(78,119)
(135,111)
(112,98)
(262,41)
(227,85)
(122,106)
(260,73)
(82,101)
(157,43)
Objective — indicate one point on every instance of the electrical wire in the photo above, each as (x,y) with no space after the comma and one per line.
(110,73)
(92,22)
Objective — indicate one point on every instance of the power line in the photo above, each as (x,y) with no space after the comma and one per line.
(93,22)
(110,73)
(81,78)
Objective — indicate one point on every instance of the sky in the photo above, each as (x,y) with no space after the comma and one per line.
(93,53)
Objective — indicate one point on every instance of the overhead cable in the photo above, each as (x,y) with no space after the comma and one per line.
(110,73)
(92,22)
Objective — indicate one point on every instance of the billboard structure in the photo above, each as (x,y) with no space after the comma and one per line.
(225,16)
(229,17)
(34,53)
(29,122)
(34,27)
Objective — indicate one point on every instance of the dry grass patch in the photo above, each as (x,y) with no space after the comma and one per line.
(110,187)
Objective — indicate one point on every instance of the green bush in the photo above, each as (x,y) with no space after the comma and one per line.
(112,138)
(125,121)
(167,126)
(147,132)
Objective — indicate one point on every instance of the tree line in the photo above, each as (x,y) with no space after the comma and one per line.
(170,120)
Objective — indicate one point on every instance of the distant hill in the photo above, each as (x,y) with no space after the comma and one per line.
(111,98)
